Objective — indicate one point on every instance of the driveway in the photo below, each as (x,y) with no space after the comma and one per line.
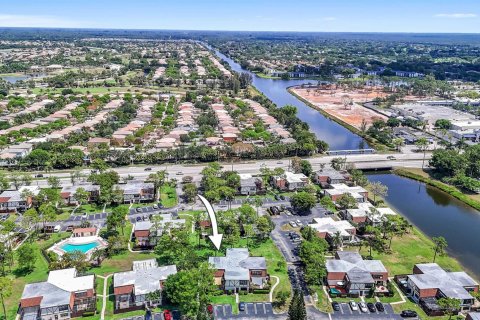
(346,312)
(257,310)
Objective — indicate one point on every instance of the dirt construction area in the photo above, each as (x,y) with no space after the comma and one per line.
(344,104)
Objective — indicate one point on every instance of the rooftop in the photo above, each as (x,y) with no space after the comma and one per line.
(237,264)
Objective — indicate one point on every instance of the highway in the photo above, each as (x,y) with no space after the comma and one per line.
(366,161)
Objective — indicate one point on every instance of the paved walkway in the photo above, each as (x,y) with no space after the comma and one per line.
(273,288)
(105,295)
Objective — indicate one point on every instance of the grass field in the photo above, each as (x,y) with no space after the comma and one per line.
(168,196)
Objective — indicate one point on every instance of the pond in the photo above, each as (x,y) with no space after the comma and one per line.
(436,213)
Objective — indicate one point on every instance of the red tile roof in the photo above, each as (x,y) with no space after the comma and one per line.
(85,230)
(123,289)
(142,233)
(31,302)
(4,199)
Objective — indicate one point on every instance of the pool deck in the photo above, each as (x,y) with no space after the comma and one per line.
(57,247)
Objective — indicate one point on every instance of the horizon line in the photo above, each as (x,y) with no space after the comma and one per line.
(244,31)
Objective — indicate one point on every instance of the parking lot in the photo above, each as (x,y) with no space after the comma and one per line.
(346,312)
(258,310)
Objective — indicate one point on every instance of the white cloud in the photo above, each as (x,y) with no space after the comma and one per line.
(456,15)
(18,20)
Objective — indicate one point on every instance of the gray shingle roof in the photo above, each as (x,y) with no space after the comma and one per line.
(357,269)
(237,264)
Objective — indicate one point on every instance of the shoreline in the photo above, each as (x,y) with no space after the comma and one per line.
(450,190)
(372,142)
(450,254)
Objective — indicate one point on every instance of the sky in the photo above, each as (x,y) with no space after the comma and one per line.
(437,16)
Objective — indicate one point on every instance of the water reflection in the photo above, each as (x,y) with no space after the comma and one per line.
(437,214)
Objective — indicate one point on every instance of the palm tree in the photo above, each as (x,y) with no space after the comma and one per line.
(337,240)
(422,144)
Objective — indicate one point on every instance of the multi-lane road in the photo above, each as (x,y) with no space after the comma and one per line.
(366,161)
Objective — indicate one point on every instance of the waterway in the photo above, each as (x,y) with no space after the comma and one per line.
(436,213)
(337,136)
(21,77)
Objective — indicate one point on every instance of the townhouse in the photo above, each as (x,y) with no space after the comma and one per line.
(147,232)
(64,295)
(68,193)
(249,185)
(328,229)
(429,282)
(238,271)
(16,200)
(338,190)
(349,273)
(329,176)
(137,191)
(289,181)
(142,286)
(366,213)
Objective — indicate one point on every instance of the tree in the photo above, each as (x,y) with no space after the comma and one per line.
(4,181)
(81,195)
(190,289)
(116,219)
(281,298)
(443,124)
(378,189)
(422,145)
(346,201)
(398,143)
(47,213)
(338,163)
(30,219)
(440,244)
(99,164)
(296,310)
(26,257)
(358,177)
(176,248)
(6,289)
(306,167)
(303,201)
(451,306)
(296,164)
(74,259)
(116,244)
(53,182)
(190,191)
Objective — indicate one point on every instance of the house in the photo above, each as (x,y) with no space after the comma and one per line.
(249,185)
(429,282)
(146,232)
(64,295)
(96,142)
(238,271)
(14,200)
(289,181)
(328,176)
(137,191)
(84,232)
(366,213)
(473,316)
(68,193)
(140,287)
(349,273)
(327,229)
(338,190)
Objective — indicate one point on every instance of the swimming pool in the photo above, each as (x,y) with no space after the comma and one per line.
(84,247)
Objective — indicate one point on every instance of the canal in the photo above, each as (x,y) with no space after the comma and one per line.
(337,136)
(436,213)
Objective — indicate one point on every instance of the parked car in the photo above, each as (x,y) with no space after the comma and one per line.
(282,197)
(363,306)
(167,315)
(408,314)
(57,228)
(210,308)
(380,307)
(336,306)
(148,169)
(371,307)
(39,175)
(241,306)
(293,224)
(155,206)
(138,209)
(391,158)
(139,219)
(277,197)
(353,305)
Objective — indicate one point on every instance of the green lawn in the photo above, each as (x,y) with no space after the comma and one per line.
(168,196)
(226,299)
(40,273)
(408,250)
(322,304)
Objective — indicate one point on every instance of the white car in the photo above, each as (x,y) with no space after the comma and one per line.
(353,305)
(293,224)
(57,228)
(363,306)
